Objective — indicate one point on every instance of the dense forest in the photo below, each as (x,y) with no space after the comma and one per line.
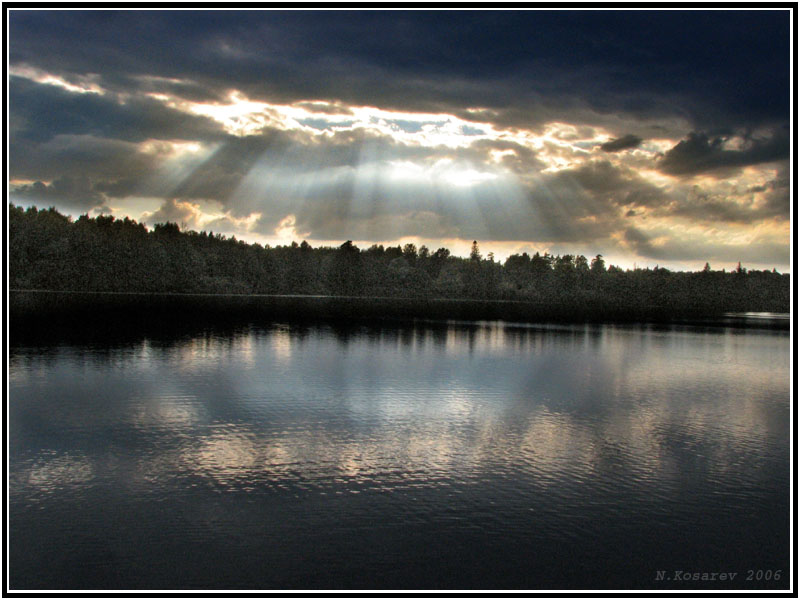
(51,251)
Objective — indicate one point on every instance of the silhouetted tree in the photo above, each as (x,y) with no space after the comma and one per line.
(475,253)
(410,254)
(47,250)
(598,265)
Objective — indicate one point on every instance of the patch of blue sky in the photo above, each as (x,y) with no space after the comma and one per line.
(469,130)
(323,124)
(407,126)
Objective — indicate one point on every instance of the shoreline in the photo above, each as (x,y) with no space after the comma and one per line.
(44,308)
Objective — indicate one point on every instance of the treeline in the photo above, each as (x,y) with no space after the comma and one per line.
(50,251)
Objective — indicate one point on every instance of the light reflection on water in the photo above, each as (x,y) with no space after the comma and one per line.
(477,456)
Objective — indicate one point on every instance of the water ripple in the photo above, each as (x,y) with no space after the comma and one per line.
(464,456)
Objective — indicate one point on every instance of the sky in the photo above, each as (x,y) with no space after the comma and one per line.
(650,137)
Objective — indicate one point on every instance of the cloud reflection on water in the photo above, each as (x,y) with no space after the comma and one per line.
(459,455)
(395,408)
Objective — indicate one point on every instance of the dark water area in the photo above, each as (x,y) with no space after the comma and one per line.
(48,311)
(420,455)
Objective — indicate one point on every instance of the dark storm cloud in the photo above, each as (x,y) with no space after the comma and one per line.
(614,186)
(768,201)
(716,210)
(624,143)
(700,153)
(671,249)
(44,111)
(76,193)
(185,90)
(776,194)
(718,68)
(635,74)
(82,155)
(600,189)
(611,187)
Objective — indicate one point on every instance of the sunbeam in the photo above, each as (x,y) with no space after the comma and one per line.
(534,169)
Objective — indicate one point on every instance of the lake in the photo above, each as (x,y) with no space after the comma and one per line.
(424,455)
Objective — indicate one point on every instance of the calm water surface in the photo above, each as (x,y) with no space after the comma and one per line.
(400,456)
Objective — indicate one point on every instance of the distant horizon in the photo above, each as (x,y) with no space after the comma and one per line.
(485,250)
(650,137)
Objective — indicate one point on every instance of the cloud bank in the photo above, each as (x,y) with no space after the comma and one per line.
(613,132)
